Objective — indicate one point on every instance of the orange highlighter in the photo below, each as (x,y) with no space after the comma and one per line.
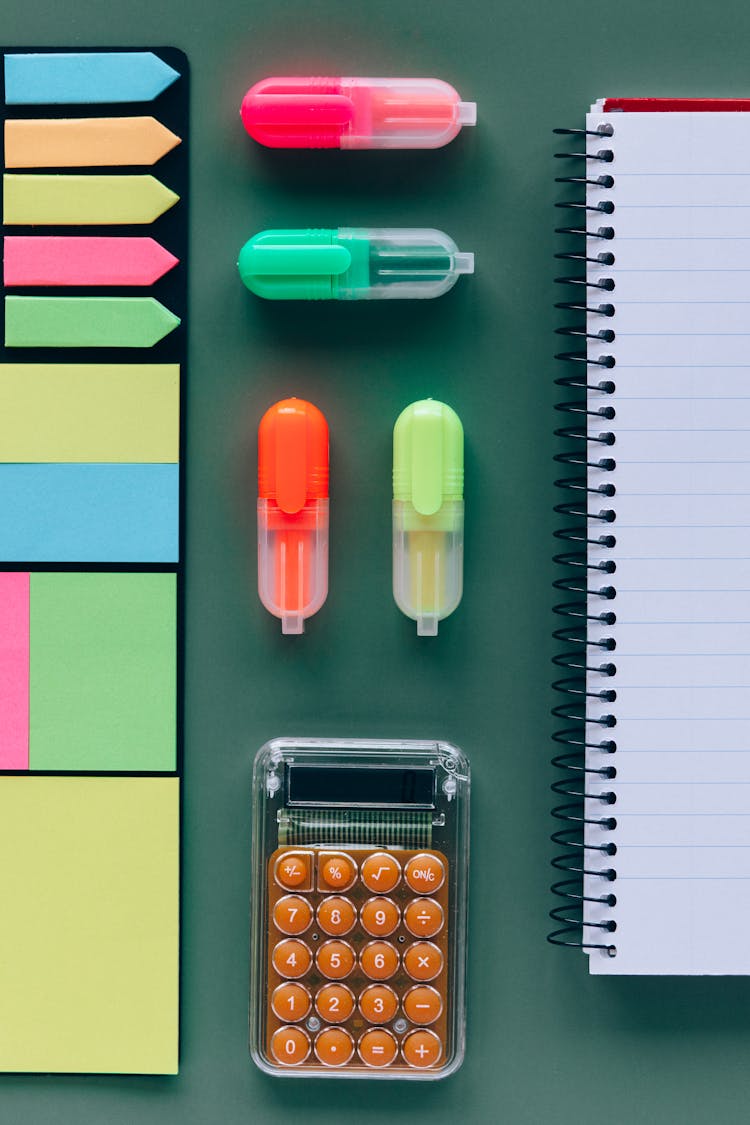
(293,512)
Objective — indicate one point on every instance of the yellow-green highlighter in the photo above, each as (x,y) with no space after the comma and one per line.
(428,513)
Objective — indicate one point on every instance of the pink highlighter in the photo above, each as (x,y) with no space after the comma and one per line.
(355,112)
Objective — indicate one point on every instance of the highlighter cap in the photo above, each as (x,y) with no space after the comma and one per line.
(428,456)
(293,455)
(293,264)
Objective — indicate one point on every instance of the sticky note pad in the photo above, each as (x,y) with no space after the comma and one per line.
(14,671)
(89,513)
(89,939)
(89,412)
(103,679)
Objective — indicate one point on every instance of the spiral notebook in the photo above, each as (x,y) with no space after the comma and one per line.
(655,834)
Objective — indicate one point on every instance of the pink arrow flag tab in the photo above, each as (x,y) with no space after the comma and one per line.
(58,261)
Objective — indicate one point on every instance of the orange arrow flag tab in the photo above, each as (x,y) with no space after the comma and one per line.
(86,142)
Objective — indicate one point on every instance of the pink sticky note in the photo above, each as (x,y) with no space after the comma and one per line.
(14,671)
(83,260)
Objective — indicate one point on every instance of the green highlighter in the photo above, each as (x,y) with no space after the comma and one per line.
(351,264)
(428,513)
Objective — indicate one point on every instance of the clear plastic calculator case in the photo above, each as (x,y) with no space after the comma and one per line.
(359,896)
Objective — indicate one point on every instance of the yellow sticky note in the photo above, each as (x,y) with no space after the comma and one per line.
(89,886)
(89,412)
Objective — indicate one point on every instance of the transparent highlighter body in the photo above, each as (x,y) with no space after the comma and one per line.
(293,561)
(428,562)
(406,262)
(404,113)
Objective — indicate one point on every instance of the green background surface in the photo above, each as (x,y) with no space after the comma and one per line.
(545,1043)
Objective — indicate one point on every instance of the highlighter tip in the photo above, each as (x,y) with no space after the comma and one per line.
(427,625)
(293,624)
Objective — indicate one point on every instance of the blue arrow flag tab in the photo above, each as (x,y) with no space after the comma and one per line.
(86,78)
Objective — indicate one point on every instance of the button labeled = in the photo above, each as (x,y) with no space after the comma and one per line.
(424,873)
(377,1048)
(293,870)
(424,917)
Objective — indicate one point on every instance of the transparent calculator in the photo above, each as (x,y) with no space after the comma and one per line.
(360,870)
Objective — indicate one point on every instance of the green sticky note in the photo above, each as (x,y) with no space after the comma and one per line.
(103,672)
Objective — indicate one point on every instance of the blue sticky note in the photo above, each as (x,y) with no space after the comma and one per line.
(86,77)
(89,513)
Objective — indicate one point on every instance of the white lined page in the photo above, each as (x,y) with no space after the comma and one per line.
(682,505)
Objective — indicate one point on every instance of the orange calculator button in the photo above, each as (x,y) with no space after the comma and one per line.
(291,958)
(377,1047)
(424,917)
(380,873)
(421,1048)
(335,959)
(291,1002)
(336,872)
(292,914)
(290,1046)
(422,1004)
(424,873)
(423,960)
(294,869)
(380,916)
(334,1047)
(378,1003)
(334,1003)
(336,915)
(379,960)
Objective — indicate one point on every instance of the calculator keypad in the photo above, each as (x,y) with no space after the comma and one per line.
(357,950)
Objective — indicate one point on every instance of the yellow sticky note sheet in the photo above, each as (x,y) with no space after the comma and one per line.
(87,412)
(89,886)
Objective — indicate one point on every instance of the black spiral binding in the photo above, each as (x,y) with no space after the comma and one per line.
(585,449)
